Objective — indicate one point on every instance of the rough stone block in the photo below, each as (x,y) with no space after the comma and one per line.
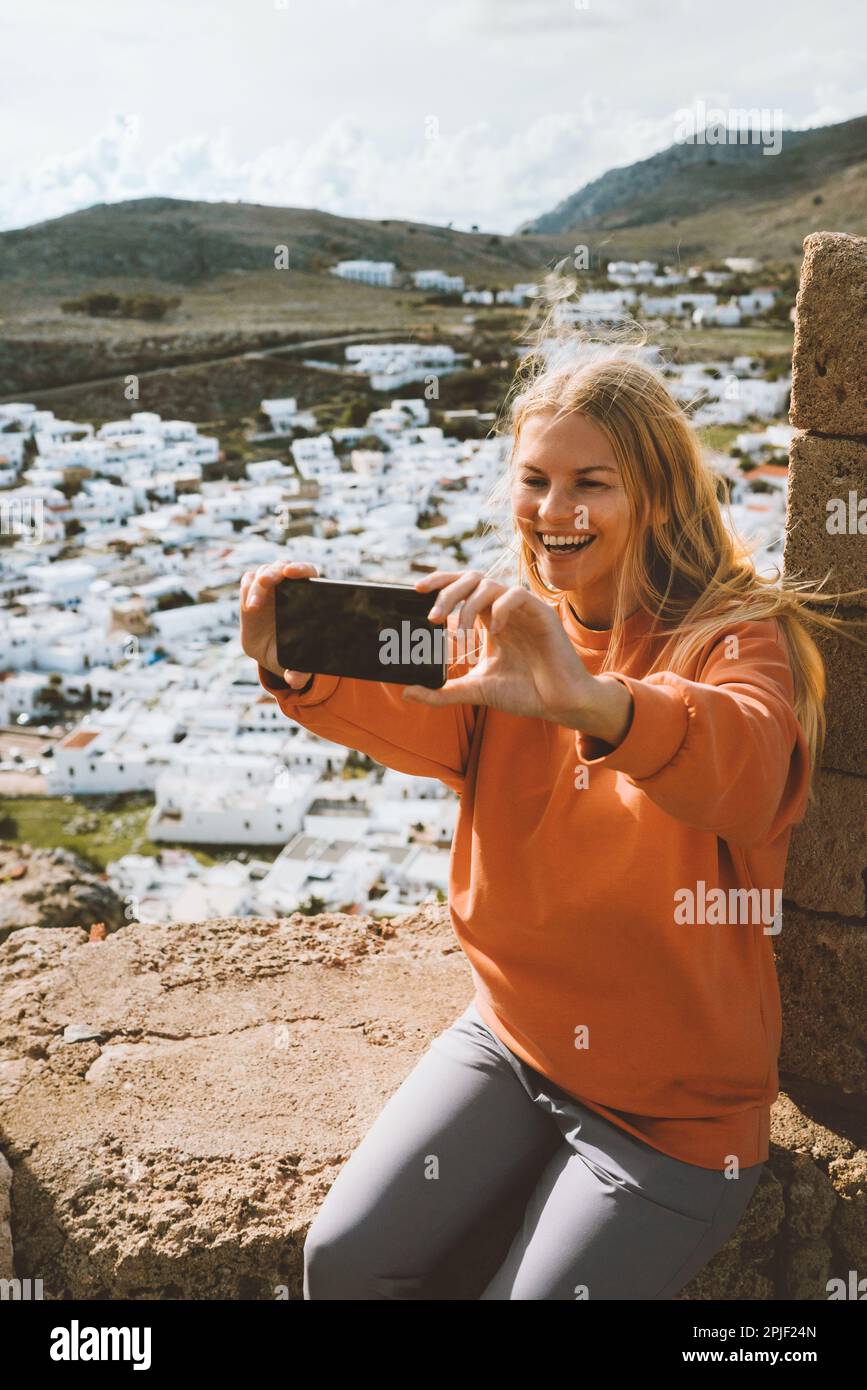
(830,354)
(822,971)
(828,852)
(822,472)
(846,699)
(237,1065)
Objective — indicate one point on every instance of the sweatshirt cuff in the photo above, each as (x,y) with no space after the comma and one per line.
(660,721)
(317,689)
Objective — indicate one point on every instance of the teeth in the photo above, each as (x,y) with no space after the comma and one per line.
(565,541)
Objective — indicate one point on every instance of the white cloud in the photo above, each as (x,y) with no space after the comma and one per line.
(495,172)
(478,175)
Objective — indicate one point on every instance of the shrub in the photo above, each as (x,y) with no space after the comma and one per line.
(106,304)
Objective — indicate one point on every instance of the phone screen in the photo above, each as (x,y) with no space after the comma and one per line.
(373,632)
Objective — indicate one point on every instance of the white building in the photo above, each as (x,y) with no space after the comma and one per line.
(340,872)
(284,415)
(594,306)
(438,280)
(207,807)
(717,316)
(369,272)
(65,581)
(99,758)
(518,294)
(774,438)
(757,301)
(670,306)
(631,272)
(315,457)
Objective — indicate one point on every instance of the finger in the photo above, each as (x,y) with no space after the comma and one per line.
(446,599)
(296,679)
(247,588)
(483,597)
(435,579)
(300,565)
(255,593)
(282,569)
(268,576)
(500,610)
(532,614)
(466,690)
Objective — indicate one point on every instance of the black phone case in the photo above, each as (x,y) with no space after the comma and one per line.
(333,627)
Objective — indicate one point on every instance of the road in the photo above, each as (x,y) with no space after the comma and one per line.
(279,349)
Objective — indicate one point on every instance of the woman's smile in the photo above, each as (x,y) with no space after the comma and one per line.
(558,547)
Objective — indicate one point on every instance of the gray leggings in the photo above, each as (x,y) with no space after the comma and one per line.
(595,1212)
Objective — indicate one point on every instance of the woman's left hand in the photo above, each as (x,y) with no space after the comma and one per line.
(527,665)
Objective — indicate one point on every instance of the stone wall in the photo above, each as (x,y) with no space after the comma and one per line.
(822,950)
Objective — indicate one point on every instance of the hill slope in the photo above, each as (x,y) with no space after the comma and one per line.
(725,199)
(187,243)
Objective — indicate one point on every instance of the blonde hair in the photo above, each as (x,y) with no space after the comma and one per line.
(690,570)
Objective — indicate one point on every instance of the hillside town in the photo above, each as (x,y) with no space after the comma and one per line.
(124,655)
(703,308)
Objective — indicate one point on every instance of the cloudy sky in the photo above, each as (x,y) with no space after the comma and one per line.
(462,111)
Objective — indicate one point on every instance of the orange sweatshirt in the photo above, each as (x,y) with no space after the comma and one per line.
(582,881)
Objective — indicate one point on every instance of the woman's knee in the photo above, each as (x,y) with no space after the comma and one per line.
(331,1263)
(345,1264)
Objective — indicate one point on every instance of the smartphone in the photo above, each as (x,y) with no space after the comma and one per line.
(369,631)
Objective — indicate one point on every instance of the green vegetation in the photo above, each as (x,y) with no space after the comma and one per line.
(312,906)
(107,304)
(719,438)
(355,413)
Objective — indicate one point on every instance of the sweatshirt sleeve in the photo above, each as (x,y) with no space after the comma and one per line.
(372,717)
(724,752)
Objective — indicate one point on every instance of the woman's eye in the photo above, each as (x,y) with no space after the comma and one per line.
(542,482)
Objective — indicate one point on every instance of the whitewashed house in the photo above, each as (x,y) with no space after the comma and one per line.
(438,280)
(757,301)
(210,809)
(21,694)
(340,872)
(368,272)
(315,457)
(720,316)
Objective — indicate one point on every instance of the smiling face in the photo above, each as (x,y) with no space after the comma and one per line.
(567,487)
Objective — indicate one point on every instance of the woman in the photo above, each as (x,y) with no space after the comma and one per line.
(631,748)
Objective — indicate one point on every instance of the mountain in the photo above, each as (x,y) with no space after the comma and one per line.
(182,242)
(729,199)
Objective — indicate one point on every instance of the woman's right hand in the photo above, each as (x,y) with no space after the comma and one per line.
(258,635)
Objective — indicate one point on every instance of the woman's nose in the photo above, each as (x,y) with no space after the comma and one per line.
(563,520)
